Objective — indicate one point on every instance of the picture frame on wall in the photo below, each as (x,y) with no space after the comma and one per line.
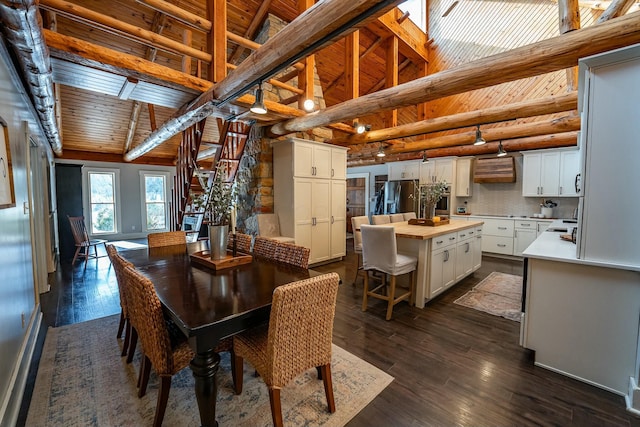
(7,191)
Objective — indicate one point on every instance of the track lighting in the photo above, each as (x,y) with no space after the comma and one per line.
(380,152)
(361,128)
(425,159)
(309,105)
(258,106)
(501,152)
(479,140)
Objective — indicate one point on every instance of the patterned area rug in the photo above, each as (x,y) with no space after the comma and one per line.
(498,294)
(83,381)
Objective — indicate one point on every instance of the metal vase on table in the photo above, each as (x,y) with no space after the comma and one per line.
(218,238)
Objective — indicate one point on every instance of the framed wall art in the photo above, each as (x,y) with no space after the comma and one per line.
(7,192)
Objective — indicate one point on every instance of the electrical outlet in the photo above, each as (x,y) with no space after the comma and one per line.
(23,318)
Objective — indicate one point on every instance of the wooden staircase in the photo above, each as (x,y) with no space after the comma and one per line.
(190,183)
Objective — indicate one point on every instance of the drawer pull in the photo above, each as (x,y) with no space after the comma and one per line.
(439,241)
(525,225)
(502,228)
(502,245)
(452,238)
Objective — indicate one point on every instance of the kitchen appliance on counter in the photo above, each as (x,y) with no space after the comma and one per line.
(401,197)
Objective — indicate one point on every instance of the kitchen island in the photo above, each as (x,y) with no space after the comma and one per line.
(446,254)
(581,317)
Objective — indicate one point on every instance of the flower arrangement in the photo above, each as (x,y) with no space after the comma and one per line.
(430,195)
(218,198)
(548,204)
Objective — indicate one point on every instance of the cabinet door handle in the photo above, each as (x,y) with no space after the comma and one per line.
(515,234)
(560,190)
(313,221)
(467,191)
(446,255)
(332,219)
(576,182)
(333,172)
(468,247)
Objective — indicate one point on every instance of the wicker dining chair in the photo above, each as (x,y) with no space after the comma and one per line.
(82,241)
(297,338)
(119,264)
(243,242)
(292,254)
(265,247)
(166,238)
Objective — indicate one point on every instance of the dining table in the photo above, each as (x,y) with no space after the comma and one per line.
(209,304)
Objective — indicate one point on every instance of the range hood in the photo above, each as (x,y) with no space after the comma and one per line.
(495,169)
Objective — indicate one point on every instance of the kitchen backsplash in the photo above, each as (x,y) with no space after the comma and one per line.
(507,199)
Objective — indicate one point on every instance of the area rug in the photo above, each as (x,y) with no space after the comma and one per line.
(498,294)
(83,381)
(123,244)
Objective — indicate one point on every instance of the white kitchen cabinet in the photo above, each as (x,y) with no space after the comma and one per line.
(541,226)
(437,170)
(404,170)
(525,232)
(497,236)
(569,173)
(443,269)
(477,248)
(338,164)
(464,253)
(310,208)
(463,177)
(550,173)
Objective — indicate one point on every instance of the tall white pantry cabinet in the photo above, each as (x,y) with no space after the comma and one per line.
(309,186)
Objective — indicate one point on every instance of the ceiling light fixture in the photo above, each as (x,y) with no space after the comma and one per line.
(425,159)
(501,151)
(258,106)
(479,140)
(380,152)
(309,105)
(359,127)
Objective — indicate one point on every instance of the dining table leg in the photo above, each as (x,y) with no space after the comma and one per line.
(205,367)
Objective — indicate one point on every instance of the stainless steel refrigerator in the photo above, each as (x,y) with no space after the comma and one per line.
(401,196)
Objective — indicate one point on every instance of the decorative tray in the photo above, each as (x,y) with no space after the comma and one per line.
(204,258)
(428,222)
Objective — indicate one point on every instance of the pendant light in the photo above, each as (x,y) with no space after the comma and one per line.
(425,159)
(380,152)
(309,105)
(501,151)
(479,140)
(258,106)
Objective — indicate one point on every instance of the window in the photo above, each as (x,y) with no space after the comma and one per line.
(102,186)
(417,12)
(154,201)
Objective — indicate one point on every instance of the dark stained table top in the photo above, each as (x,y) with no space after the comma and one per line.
(208,304)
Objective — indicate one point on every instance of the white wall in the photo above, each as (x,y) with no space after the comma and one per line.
(18,298)
(372,171)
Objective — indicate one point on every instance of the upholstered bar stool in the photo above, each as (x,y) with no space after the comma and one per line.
(379,253)
(380,219)
(356,222)
(398,217)
(409,215)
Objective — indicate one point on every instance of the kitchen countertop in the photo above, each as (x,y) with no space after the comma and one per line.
(422,232)
(502,216)
(549,246)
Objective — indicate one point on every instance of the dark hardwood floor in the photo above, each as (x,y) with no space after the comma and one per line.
(453,366)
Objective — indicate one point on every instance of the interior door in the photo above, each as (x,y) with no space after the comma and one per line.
(69,202)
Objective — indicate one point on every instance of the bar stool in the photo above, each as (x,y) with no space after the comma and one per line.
(356,222)
(379,253)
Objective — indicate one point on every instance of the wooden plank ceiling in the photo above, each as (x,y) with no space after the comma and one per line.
(104,112)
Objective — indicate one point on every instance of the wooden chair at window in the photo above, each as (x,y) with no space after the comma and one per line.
(119,264)
(164,347)
(167,238)
(291,254)
(280,352)
(265,247)
(82,241)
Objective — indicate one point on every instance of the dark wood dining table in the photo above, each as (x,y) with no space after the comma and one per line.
(209,305)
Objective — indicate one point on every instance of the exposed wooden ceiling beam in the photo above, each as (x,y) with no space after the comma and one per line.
(413,42)
(615,9)
(538,58)
(21,27)
(321,24)
(569,20)
(529,108)
(179,14)
(252,29)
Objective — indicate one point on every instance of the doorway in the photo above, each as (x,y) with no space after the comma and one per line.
(357,197)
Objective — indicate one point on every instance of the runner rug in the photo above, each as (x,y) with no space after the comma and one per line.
(498,294)
(83,381)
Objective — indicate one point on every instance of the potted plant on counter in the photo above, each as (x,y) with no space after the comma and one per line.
(430,194)
(546,208)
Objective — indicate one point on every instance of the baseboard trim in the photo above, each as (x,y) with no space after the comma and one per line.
(11,406)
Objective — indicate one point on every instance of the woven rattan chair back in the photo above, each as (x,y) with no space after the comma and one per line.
(264,247)
(298,338)
(119,264)
(292,254)
(243,242)
(167,238)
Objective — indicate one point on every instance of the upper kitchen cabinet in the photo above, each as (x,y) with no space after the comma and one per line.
(437,170)
(311,160)
(338,163)
(463,177)
(550,173)
(404,170)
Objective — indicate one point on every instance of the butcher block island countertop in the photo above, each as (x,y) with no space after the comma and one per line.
(441,262)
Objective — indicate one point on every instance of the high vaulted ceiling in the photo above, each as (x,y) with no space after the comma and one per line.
(128,75)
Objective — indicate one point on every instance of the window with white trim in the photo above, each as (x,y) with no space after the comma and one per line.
(155,200)
(102,200)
